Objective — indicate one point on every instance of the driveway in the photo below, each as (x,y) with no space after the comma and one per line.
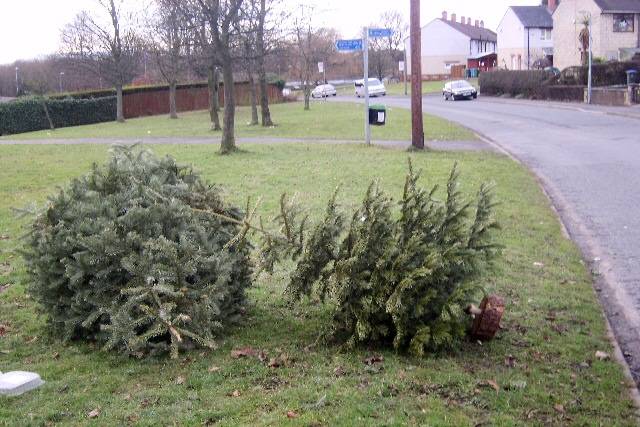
(588,160)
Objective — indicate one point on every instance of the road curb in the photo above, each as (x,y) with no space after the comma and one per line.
(560,106)
(556,199)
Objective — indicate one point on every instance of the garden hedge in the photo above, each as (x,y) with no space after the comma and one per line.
(514,83)
(28,114)
(608,74)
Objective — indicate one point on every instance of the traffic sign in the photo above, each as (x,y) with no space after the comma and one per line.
(349,45)
(380,32)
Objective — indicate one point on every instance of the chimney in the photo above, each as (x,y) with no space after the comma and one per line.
(462,20)
(468,21)
(444,15)
(453,17)
(552,5)
(481,24)
(477,23)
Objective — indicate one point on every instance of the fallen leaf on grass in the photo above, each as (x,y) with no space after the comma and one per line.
(235,393)
(601,355)
(94,414)
(214,369)
(3,330)
(339,372)
(538,264)
(490,383)
(244,352)
(510,361)
(4,237)
(31,340)
(559,408)
(180,380)
(55,356)
(373,359)
(292,414)
(4,287)
(516,385)
(277,362)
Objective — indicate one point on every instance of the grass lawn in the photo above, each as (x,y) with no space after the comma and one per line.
(427,87)
(326,120)
(542,363)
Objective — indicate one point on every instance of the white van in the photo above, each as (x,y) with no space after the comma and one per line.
(376,88)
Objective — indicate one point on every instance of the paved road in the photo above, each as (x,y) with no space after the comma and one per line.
(588,159)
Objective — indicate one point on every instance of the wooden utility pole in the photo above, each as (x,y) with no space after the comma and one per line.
(417,134)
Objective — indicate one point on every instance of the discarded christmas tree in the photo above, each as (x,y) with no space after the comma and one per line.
(136,256)
(403,281)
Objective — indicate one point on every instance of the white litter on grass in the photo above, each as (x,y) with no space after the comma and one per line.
(18,382)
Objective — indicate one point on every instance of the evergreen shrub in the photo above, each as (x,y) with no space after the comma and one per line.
(136,256)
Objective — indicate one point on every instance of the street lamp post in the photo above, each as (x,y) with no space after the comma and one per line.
(590,82)
(17,83)
(587,16)
(61,75)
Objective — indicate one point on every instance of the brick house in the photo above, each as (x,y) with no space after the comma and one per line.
(449,43)
(525,38)
(615,30)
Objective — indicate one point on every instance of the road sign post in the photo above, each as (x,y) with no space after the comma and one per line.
(363,45)
(349,45)
(367,127)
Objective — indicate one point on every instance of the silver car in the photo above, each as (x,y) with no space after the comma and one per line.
(459,89)
(324,91)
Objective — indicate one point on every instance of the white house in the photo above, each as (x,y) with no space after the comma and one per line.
(525,38)
(615,30)
(449,42)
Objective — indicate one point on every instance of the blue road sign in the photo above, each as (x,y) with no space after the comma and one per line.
(379,32)
(349,45)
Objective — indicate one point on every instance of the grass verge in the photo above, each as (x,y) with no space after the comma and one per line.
(326,120)
(541,370)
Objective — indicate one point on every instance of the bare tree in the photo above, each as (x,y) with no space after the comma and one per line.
(247,30)
(220,18)
(108,50)
(385,52)
(394,21)
(169,42)
(312,45)
(266,9)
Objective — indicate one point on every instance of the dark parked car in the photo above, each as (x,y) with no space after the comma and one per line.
(460,89)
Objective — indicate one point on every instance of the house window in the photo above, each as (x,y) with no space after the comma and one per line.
(545,34)
(623,23)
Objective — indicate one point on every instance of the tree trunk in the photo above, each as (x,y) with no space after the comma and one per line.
(173,109)
(228,143)
(264,99)
(46,113)
(262,75)
(214,100)
(254,100)
(120,108)
(307,97)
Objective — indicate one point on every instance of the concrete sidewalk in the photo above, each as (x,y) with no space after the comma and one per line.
(630,112)
(403,145)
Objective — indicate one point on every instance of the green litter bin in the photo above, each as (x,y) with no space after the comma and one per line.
(377,115)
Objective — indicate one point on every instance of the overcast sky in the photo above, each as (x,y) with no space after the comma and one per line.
(31,28)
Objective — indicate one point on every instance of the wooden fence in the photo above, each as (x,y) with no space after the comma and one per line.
(150,101)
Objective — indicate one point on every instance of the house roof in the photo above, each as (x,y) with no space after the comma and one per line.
(534,16)
(473,32)
(619,5)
